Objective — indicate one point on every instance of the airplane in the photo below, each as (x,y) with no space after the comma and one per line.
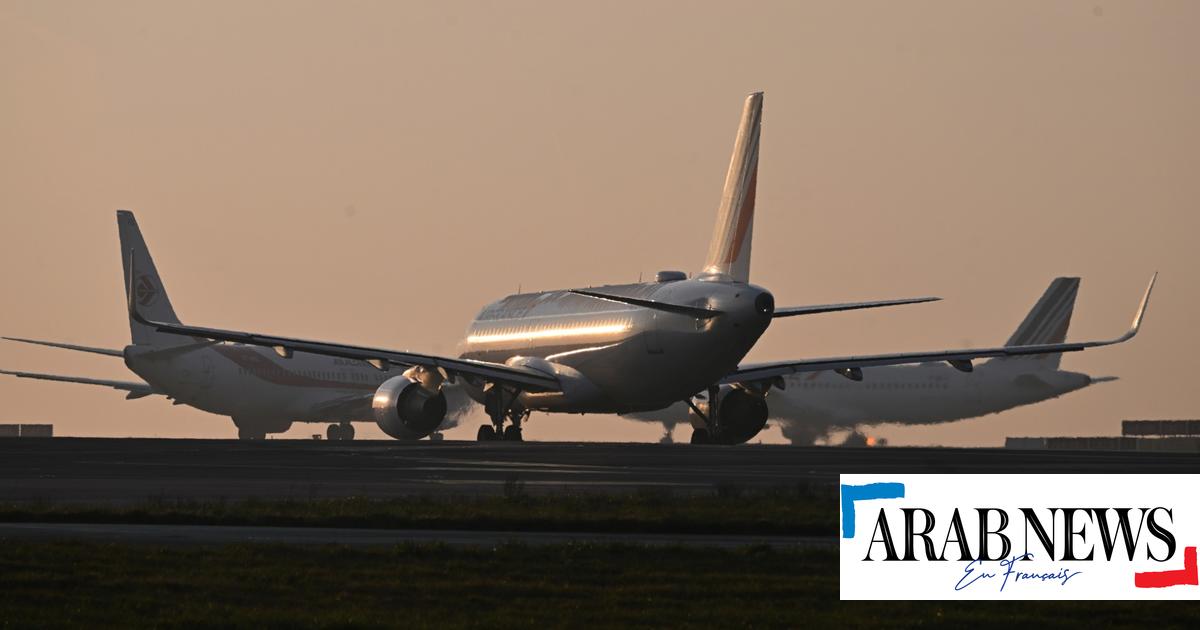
(818,403)
(261,393)
(614,349)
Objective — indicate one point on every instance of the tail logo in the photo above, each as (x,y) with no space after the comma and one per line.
(146,292)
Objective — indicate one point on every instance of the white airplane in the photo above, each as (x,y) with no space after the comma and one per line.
(258,390)
(611,349)
(815,404)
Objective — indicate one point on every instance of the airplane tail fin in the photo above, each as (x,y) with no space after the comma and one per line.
(1048,321)
(148,288)
(729,252)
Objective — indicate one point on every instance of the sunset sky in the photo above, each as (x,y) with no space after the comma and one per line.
(374,172)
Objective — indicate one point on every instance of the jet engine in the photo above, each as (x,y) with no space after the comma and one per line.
(410,406)
(740,415)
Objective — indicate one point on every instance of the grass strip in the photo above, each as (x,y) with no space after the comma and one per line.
(802,510)
(50,585)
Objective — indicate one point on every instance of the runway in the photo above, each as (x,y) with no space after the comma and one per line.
(218,534)
(94,470)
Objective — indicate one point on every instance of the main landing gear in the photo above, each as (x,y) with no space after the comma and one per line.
(501,404)
(708,418)
(343,431)
(251,434)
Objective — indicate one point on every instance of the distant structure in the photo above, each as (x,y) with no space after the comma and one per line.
(1136,435)
(1160,428)
(26,430)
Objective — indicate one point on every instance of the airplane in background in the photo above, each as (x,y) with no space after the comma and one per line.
(612,349)
(815,404)
(258,390)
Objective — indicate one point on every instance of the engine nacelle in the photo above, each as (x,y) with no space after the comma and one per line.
(739,417)
(407,410)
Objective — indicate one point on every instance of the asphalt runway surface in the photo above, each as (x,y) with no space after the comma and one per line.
(221,534)
(95,470)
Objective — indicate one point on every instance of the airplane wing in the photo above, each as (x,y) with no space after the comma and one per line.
(525,378)
(67,346)
(136,389)
(851,367)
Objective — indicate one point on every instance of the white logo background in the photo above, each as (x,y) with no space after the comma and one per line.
(1096,579)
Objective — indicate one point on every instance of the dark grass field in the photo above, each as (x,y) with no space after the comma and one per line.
(48,585)
(808,510)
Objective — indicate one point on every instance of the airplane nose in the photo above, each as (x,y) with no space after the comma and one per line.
(765,303)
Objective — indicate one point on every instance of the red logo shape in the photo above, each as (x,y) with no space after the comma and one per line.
(1162,579)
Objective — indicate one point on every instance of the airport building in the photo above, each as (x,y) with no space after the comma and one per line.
(1181,436)
(26,430)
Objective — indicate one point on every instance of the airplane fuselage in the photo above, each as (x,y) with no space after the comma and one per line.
(614,357)
(252,383)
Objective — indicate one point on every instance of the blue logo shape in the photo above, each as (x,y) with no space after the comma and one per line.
(850,494)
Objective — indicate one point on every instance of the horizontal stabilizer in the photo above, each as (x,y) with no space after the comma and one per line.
(135,389)
(693,311)
(66,346)
(789,311)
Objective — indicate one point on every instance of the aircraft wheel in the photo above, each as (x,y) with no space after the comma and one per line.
(436,437)
(701,436)
(513,434)
(333,432)
(251,434)
(486,433)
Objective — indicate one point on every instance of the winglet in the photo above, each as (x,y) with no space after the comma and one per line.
(1141,312)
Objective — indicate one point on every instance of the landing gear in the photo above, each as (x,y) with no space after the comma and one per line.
(343,431)
(251,434)
(668,433)
(501,405)
(258,428)
(707,416)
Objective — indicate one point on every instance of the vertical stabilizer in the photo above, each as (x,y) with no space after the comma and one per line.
(729,253)
(148,288)
(1048,321)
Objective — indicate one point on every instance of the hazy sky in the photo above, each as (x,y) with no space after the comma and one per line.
(373,172)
